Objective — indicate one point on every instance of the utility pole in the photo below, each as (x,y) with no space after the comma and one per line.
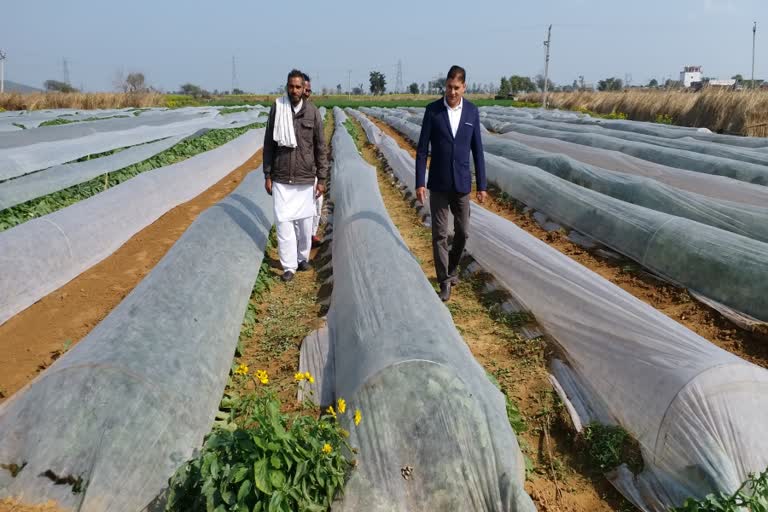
(235,85)
(349,84)
(546,65)
(3,55)
(399,77)
(65,70)
(754,34)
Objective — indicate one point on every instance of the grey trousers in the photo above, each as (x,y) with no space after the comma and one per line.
(440,203)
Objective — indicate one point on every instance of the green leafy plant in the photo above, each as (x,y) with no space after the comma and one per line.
(260,459)
(664,118)
(353,132)
(608,446)
(34,208)
(752,496)
(233,110)
(60,120)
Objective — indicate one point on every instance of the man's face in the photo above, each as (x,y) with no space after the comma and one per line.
(454,91)
(307,89)
(295,89)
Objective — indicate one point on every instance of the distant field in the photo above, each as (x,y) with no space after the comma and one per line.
(723,111)
(88,101)
(735,112)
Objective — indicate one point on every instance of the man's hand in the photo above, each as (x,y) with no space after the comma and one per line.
(268,185)
(319,190)
(481,195)
(421,195)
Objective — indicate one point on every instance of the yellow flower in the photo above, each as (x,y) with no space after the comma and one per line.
(307,375)
(344,433)
(331,411)
(262,376)
(242,370)
(358,417)
(311,379)
(299,377)
(342,405)
(327,448)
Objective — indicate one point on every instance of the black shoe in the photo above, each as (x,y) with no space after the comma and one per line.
(287,276)
(445,292)
(304,266)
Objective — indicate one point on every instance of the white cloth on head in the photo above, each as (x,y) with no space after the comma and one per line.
(293,202)
(294,241)
(283,132)
(454,114)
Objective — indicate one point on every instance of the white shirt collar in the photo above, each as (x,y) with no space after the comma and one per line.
(458,107)
(297,108)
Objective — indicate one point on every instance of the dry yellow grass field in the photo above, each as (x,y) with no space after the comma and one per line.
(79,100)
(724,111)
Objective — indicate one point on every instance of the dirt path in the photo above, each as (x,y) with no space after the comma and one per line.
(559,479)
(33,339)
(673,301)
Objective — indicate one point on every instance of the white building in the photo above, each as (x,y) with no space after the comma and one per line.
(690,74)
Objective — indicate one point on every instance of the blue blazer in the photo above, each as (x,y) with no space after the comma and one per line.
(449,168)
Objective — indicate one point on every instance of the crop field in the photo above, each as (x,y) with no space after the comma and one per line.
(605,349)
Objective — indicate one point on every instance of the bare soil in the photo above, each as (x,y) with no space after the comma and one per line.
(33,339)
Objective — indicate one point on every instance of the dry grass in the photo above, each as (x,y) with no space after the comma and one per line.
(79,100)
(722,111)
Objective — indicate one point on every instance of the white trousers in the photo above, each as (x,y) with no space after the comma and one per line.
(294,241)
(316,218)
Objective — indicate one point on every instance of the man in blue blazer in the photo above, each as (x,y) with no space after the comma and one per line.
(452,126)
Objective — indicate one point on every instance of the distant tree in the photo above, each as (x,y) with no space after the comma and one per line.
(423,88)
(437,85)
(338,88)
(610,84)
(136,82)
(519,83)
(738,78)
(378,82)
(193,90)
(653,83)
(56,86)
(358,90)
(672,84)
(237,91)
(504,88)
(540,83)
(413,88)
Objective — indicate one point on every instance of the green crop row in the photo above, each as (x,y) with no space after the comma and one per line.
(34,208)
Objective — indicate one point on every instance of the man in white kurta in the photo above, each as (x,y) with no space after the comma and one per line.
(295,170)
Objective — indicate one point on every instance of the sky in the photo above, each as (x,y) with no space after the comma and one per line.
(336,42)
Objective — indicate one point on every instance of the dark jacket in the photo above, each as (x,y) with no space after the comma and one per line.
(449,168)
(302,164)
